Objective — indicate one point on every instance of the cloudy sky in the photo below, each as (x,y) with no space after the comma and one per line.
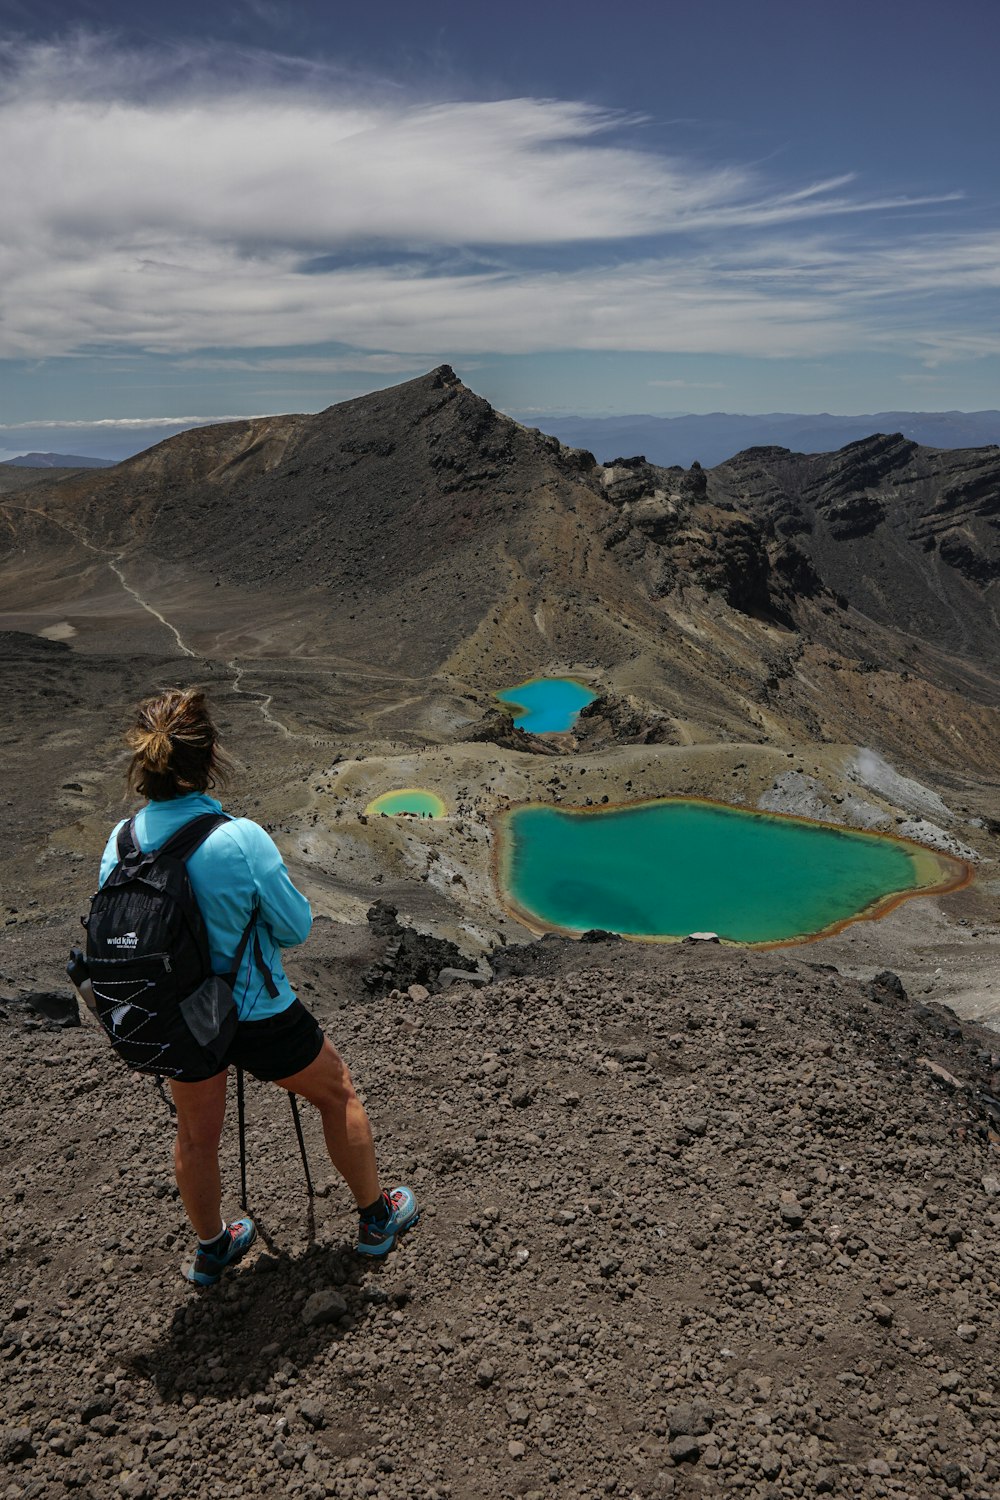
(226,209)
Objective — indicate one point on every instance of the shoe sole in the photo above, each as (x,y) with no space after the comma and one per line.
(386,1245)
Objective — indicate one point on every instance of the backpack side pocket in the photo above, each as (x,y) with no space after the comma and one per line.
(210,1015)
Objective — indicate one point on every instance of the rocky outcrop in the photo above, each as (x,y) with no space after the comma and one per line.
(969,555)
(906,534)
(41,1009)
(407,956)
(854,517)
(612,720)
(665,522)
(498,728)
(862,467)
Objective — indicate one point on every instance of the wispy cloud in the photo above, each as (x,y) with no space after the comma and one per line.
(688,385)
(125,424)
(305,364)
(180,201)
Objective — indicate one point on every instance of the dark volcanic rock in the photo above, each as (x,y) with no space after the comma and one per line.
(498,728)
(409,957)
(862,466)
(17,643)
(553,954)
(794,573)
(886,982)
(58,1009)
(906,534)
(854,517)
(683,537)
(609,719)
(964,551)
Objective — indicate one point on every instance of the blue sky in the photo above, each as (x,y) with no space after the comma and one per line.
(222,210)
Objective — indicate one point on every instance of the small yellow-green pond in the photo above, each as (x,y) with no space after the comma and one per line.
(665,868)
(409,799)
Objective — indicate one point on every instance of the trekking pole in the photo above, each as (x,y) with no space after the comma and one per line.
(241,1117)
(302,1144)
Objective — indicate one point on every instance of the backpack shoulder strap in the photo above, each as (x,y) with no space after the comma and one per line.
(126,843)
(182,844)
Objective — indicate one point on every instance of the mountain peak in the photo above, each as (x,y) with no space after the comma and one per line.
(443,375)
(441,378)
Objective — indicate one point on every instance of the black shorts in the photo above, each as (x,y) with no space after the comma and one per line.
(278,1046)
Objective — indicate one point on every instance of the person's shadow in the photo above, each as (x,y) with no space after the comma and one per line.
(230,1339)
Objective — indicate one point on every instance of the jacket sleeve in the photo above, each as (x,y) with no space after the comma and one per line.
(285,910)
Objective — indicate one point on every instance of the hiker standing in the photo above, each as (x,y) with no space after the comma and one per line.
(251,911)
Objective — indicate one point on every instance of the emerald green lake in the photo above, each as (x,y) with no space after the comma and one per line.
(548,705)
(409,799)
(670,867)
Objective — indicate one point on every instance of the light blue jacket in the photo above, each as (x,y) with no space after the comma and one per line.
(237,863)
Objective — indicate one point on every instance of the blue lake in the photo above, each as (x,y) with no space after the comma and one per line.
(548,705)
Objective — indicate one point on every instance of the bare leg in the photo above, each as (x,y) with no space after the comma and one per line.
(201,1109)
(327,1084)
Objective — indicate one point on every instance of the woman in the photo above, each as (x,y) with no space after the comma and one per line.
(176,760)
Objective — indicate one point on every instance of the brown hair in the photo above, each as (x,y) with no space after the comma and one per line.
(175,747)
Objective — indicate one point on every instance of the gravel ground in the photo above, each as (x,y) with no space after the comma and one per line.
(695,1223)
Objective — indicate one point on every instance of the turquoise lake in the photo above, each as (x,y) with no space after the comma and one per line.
(548,705)
(666,868)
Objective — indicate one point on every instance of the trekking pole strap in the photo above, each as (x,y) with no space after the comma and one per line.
(158,1085)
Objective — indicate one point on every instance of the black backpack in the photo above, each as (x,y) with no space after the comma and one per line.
(147,957)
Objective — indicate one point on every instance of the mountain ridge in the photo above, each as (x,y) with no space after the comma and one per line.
(58,461)
(420,528)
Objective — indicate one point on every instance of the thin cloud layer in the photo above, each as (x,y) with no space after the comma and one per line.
(126,424)
(162,206)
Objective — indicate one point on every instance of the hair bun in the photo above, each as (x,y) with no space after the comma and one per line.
(152,748)
(156,751)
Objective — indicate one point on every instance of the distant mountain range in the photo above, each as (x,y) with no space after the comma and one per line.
(716,436)
(59,461)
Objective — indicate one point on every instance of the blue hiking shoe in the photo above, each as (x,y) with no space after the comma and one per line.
(206,1269)
(378,1239)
